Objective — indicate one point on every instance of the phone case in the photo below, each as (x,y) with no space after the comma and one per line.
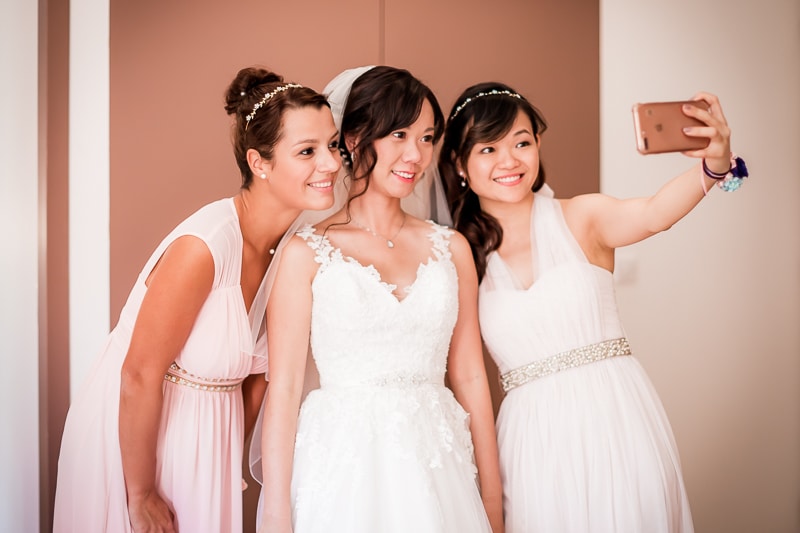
(659,127)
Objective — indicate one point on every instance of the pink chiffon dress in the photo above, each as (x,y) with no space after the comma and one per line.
(201,432)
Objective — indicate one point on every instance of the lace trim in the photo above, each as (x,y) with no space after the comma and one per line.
(325,253)
(440,237)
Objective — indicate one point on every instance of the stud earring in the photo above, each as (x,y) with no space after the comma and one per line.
(263,176)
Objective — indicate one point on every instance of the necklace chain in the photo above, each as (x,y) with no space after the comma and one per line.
(389,241)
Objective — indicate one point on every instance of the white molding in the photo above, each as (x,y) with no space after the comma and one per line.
(89,197)
(19,266)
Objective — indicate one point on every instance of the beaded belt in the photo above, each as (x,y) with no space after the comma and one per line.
(179,376)
(564,360)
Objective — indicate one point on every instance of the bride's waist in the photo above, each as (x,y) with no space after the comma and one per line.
(391,381)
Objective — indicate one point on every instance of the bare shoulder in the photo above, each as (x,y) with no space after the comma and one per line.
(582,209)
(459,244)
(297,255)
(461,253)
(188,248)
(189,258)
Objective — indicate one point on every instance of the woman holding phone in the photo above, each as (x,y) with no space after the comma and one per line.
(584,443)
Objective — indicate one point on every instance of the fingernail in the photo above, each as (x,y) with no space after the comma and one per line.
(687,130)
(686,107)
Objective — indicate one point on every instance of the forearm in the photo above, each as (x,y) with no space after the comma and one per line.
(473,394)
(278,434)
(140,406)
(676,199)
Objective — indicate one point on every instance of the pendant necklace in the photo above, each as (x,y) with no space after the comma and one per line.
(389,241)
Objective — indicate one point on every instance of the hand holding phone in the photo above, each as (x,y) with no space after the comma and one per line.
(659,127)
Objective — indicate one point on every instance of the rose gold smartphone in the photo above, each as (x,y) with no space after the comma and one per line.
(659,127)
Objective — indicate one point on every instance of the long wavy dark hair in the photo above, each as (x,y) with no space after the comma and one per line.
(382,100)
(482,120)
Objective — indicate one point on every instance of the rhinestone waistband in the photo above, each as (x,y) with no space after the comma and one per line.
(562,361)
(179,376)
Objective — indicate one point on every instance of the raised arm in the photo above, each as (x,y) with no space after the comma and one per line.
(288,329)
(602,222)
(467,376)
(177,289)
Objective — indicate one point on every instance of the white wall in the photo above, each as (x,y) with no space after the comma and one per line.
(712,307)
(89,232)
(19,345)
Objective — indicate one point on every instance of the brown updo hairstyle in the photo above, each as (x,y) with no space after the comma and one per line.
(266,127)
(483,120)
(382,100)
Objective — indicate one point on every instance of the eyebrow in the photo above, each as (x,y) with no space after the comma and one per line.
(307,141)
(523,130)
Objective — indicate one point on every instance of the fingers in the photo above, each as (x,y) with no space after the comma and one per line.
(713,102)
(152,515)
(716,130)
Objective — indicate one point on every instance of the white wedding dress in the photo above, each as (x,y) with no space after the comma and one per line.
(382,445)
(585,447)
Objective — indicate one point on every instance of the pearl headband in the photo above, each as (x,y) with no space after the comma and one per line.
(493,92)
(267,96)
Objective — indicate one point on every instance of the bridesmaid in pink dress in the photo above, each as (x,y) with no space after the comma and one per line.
(154,438)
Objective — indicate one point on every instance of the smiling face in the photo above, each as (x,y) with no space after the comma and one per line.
(306,159)
(403,155)
(504,170)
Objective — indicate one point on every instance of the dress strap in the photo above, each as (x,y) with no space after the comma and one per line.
(323,250)
(440,237)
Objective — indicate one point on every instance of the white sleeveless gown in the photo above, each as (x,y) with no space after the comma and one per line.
(588,449)
(382,445)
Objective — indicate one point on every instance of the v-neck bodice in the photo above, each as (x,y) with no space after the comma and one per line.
(226,341)
(362,333)
(570,304)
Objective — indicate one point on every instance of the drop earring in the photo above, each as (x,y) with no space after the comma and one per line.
(463,180)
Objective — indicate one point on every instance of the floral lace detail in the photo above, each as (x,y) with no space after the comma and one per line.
(324,252)
(382,408)
(425,428)
(441,240)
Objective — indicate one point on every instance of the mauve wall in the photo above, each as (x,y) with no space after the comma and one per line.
(171,63)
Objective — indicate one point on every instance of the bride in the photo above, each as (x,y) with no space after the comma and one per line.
(388,303)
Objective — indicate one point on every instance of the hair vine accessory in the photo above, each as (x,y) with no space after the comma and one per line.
(267,96)
(728,181)
(493,92)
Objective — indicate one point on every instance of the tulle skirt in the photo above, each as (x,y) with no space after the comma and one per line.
(590,450)
(385,459)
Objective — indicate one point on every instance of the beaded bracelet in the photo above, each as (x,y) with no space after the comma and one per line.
(730,180)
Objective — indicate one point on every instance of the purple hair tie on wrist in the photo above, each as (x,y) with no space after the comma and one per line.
(733,178)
